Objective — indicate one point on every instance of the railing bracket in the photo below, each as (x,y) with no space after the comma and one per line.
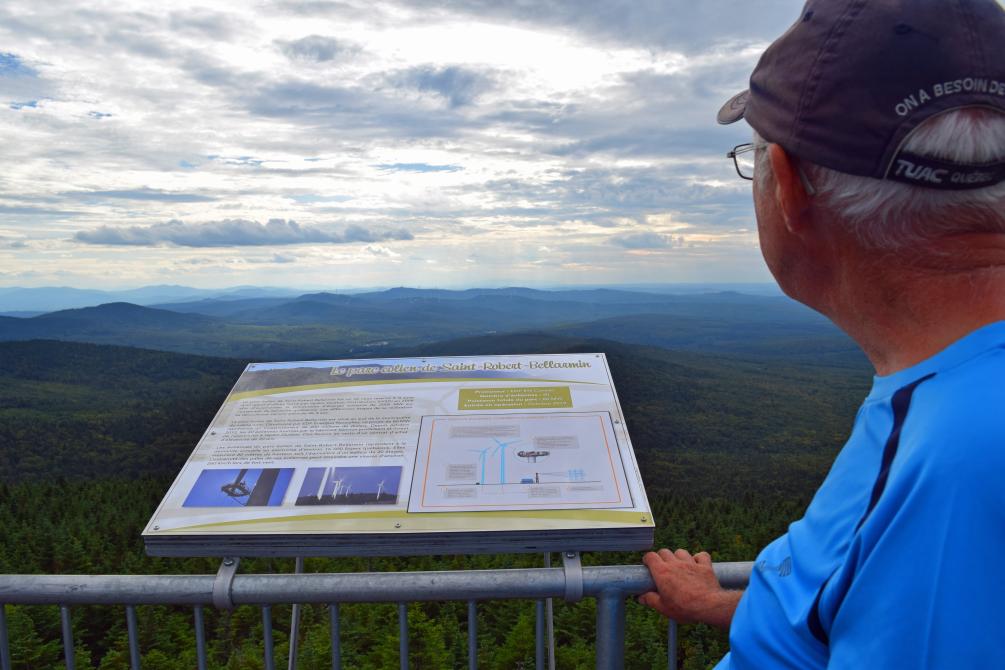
(573,566)
(224,582)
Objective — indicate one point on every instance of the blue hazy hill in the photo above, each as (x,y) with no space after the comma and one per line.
(334,325)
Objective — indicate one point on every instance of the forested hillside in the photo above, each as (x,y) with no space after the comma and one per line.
(85,411)
(700,424)
(90,437)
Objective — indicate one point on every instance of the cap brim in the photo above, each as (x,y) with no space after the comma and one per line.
(734,108)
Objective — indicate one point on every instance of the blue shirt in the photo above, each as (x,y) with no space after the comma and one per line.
(899,561)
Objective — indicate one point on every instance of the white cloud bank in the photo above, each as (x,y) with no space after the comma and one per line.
(135,136)
(232,233)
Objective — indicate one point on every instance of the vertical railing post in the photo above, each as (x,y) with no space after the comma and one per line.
(68,650)
(270,656)
(539,636)
(295,620)
(672,645)
(336,636)
(549,618)
(134,641)
(5,663)
(403,635)
(200,639)
(611,630)
(472,635)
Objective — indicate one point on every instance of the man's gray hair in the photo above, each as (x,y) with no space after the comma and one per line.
(891,215)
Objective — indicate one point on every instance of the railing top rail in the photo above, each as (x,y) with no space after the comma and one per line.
(370,587)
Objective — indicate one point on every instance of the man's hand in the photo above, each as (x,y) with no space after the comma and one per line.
(687,590)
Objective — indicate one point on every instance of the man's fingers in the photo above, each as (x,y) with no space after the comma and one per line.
(703,558)
(666,554)
(683,555)
(650,599)
(654,561)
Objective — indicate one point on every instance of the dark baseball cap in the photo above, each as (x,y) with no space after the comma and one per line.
(850,80)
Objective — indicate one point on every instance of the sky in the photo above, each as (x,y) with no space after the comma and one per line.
(343,144)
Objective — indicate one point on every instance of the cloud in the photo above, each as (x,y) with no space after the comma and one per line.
(418,167)
(356,233)
(647,240)
(560,124)
(683,25)
(21,210)
(301,98)
(458,85)
(7,243)
(380,250)
(317,49)
(280,258)
(342,10)
(144,193)
(360,116)
(232,233)
(311,198)
(203,23)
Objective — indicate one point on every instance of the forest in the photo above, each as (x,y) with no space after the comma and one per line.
(731,449)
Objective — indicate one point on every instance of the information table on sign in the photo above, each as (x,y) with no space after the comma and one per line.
(410,456)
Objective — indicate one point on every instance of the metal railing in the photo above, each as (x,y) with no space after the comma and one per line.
(609,585)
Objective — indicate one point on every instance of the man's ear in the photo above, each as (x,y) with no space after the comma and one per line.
(793,201)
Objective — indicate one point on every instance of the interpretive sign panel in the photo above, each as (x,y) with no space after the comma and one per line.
(410,456)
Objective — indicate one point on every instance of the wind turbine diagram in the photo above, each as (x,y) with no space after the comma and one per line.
(532,456)
(484,454)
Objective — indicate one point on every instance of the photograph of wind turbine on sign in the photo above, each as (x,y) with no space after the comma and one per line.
(239,487)
(375,485)
(518,462)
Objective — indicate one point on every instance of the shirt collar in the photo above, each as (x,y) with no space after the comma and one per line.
(967,347)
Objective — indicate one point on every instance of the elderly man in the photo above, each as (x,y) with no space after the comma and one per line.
(878,169)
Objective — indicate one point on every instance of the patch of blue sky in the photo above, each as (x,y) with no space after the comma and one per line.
(309,199)
(239,160)
(418,167)
(186,165)
(11,65)
(98,115)
(27,103)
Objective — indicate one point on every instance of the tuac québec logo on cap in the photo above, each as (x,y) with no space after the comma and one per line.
(931,172)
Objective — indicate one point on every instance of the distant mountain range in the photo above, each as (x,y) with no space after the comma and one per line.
(27,302)
(380,323)
(51,298)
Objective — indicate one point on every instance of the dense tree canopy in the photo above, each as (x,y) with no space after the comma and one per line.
(90,437)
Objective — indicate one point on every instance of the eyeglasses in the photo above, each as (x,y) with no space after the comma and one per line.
(743,159)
